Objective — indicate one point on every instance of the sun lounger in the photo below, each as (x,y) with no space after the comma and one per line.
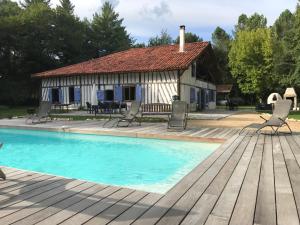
(178,118)
(277,120)
(128,117)
(42,115)
(2,174)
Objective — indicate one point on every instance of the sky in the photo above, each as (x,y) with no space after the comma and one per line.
(146,18)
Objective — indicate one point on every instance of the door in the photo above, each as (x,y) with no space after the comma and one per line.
(199,107)
(203,99)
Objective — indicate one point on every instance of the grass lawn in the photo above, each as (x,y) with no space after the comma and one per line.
(244,107)
(9,112)
(295,115)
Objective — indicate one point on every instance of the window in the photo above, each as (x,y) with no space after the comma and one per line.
(71,95)
(55,95)
(192,95)
(109,95)
(129,93)
(194,69)
(211,95)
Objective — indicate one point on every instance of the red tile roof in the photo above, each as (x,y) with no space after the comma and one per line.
(161,58)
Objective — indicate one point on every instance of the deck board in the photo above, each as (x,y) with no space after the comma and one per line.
(247,180)
(265,212)
(224,207)
(45,212)
(292,167)
(285,202)
(98,208)
(111,213)
(211,184)
(77,208)
(243,212)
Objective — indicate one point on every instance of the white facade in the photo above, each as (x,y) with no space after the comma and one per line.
(157,87)
(205,92)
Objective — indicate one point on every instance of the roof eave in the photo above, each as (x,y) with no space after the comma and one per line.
(37,76)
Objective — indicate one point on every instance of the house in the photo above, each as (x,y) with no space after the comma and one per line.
(152,75)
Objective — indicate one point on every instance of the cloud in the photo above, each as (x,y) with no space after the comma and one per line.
(156,12)
(146,18)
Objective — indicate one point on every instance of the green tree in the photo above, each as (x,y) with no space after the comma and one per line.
(108,33)
(163,39)
(70,34)
(139,45)
(189,38)
(66,6)
(9,8)
(26,47)
(251,61)
(28,3)
(221,45)
(285,57)
(253,22)
(296,31)
(9,48)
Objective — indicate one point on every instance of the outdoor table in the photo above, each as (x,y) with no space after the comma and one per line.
(61,106)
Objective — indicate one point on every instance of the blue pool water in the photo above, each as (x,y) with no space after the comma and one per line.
(146,164)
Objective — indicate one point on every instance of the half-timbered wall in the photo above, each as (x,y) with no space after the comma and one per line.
(187,81)
(157,87)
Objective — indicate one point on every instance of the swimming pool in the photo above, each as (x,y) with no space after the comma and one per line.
(145,164)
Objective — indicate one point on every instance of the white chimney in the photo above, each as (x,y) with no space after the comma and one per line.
(181,38)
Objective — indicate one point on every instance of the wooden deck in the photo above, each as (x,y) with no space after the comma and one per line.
(248,180)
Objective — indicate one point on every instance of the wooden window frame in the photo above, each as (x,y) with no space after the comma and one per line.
(131,87)
(71,87)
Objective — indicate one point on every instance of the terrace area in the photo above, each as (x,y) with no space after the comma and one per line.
(250,179)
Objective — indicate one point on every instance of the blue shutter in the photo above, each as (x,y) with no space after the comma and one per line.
(192,95)
(118,93)
(61,95)
(77,95)
(138,93)
(100,95)
(50,94)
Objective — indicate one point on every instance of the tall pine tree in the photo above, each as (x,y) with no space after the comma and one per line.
(66,6)
(71,35)
(284,50)
(221,45)
(28,3)
(108,33)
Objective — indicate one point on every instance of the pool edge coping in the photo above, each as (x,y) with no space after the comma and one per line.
(122,134)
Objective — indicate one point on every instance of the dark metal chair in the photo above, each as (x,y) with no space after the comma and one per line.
(89,107)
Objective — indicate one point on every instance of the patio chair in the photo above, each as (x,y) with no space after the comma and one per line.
(178,118)
(88,107)
(42,115)
(278,119)
(2,174)
(128,117)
